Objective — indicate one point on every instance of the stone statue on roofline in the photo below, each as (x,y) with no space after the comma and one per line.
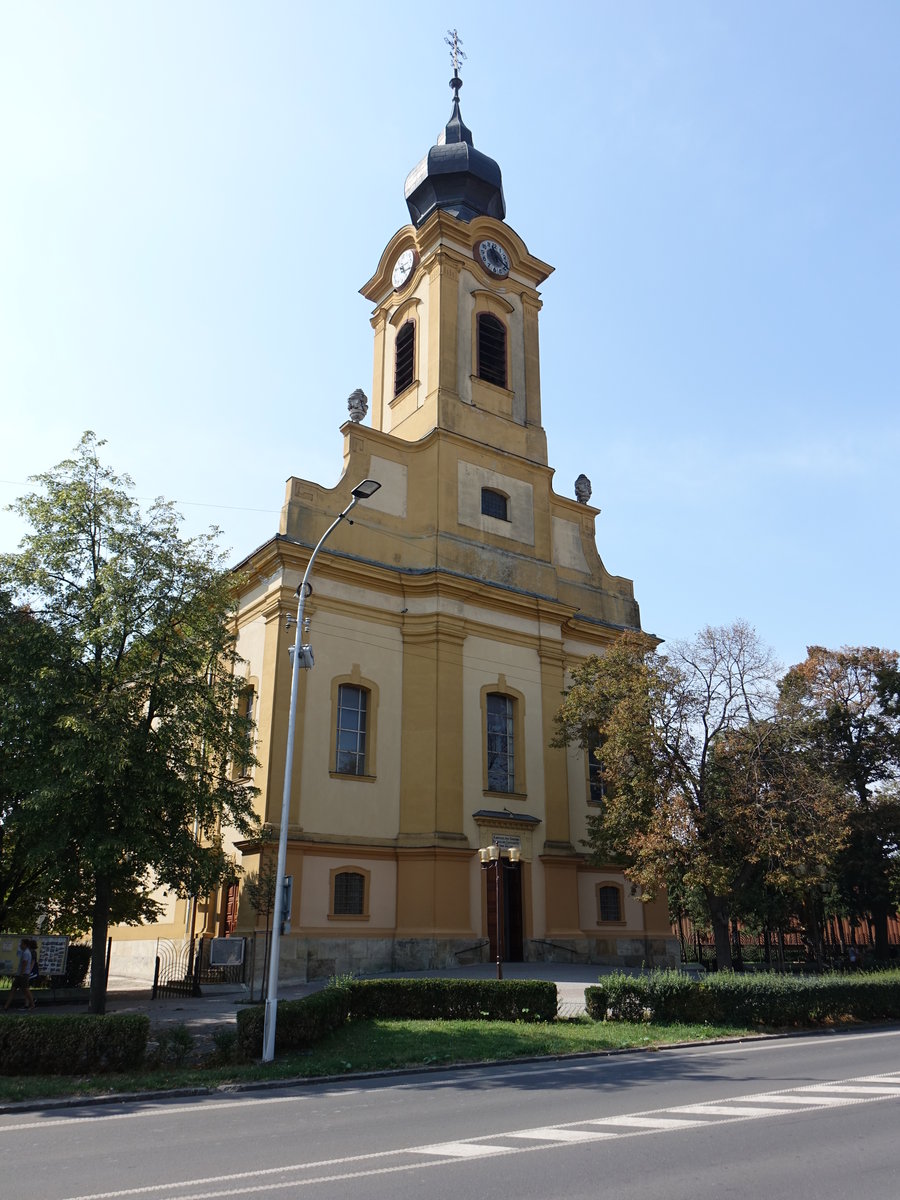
(358,405)
(582,489)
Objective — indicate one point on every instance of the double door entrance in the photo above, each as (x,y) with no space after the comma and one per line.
(504,884)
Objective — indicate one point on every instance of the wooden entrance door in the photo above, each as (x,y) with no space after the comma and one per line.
(510,908)
(512,915)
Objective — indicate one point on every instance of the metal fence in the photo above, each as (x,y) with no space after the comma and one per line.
(184,965)
(790,947)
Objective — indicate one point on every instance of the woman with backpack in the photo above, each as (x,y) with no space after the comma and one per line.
(27,971)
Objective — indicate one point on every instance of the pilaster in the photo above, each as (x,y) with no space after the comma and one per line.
(556,785)
(431,791)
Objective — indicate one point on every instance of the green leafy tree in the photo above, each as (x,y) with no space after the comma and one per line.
(32,689)
(851,698)
(705,780)
(140,785)
(259,888)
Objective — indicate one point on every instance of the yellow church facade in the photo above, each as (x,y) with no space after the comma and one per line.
(443,622)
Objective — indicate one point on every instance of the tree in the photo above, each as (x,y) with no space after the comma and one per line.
(140,783)
(704,778)
(32,686)
(851,699)
(259,888)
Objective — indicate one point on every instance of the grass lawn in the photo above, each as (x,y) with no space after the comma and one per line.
(381,1044)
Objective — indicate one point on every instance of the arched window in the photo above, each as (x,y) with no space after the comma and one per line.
(246,723)
(609,903)
(352,721)
(596,781)
(349,898)
(491,349)
(405,357)
(494,504)
(501,749)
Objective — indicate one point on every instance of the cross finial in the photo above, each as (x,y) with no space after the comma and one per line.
(457,55)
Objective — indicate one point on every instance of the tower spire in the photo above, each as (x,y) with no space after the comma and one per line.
(455,130)
(453,175)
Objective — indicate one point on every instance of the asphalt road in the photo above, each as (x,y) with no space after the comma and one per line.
(798,1118)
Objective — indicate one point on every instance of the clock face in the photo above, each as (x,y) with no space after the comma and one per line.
(403,268)
(493,257)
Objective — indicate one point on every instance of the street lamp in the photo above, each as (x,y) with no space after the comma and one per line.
(301,657)
(493,856)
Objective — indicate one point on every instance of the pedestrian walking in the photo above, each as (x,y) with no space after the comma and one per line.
(22,979)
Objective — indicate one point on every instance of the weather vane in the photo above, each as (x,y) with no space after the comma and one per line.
(457,54)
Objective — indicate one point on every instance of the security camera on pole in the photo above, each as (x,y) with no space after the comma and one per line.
(301,656)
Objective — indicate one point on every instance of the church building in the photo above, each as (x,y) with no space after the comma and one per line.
(442,623)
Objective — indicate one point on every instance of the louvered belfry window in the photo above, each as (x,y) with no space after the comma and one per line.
(405,361)
(491,350)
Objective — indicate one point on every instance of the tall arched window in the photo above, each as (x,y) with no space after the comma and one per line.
(501,753)
(405,357)
(596,782)
(491,349)
(244,761)
(352,721)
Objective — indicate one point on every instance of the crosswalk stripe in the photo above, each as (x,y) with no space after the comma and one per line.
(734,1110)
(561,1135)
(796,1099)
(460,1150)
(649,1122)
(866,1089)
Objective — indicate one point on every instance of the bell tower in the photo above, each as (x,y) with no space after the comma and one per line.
(456,307)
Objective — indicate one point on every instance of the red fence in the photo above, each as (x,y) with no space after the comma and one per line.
(789,946)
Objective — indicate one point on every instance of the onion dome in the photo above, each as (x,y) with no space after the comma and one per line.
(455,176)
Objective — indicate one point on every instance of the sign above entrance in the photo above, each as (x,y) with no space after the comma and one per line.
(507,841)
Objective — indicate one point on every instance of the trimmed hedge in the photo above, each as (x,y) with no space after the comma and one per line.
(664,995)
(454,999)
(72,1044)
(758,999)
(300,1023)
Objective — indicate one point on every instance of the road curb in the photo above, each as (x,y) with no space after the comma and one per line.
(295,1081)
(11,1107)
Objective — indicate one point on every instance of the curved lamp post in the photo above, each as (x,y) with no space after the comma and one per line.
(301,657)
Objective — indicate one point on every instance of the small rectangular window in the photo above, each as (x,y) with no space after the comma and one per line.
(609,903)
(494,504)
(349,894)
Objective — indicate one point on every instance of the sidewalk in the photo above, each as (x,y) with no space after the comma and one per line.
(218,1004)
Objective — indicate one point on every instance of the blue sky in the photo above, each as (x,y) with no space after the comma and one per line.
(192,194)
